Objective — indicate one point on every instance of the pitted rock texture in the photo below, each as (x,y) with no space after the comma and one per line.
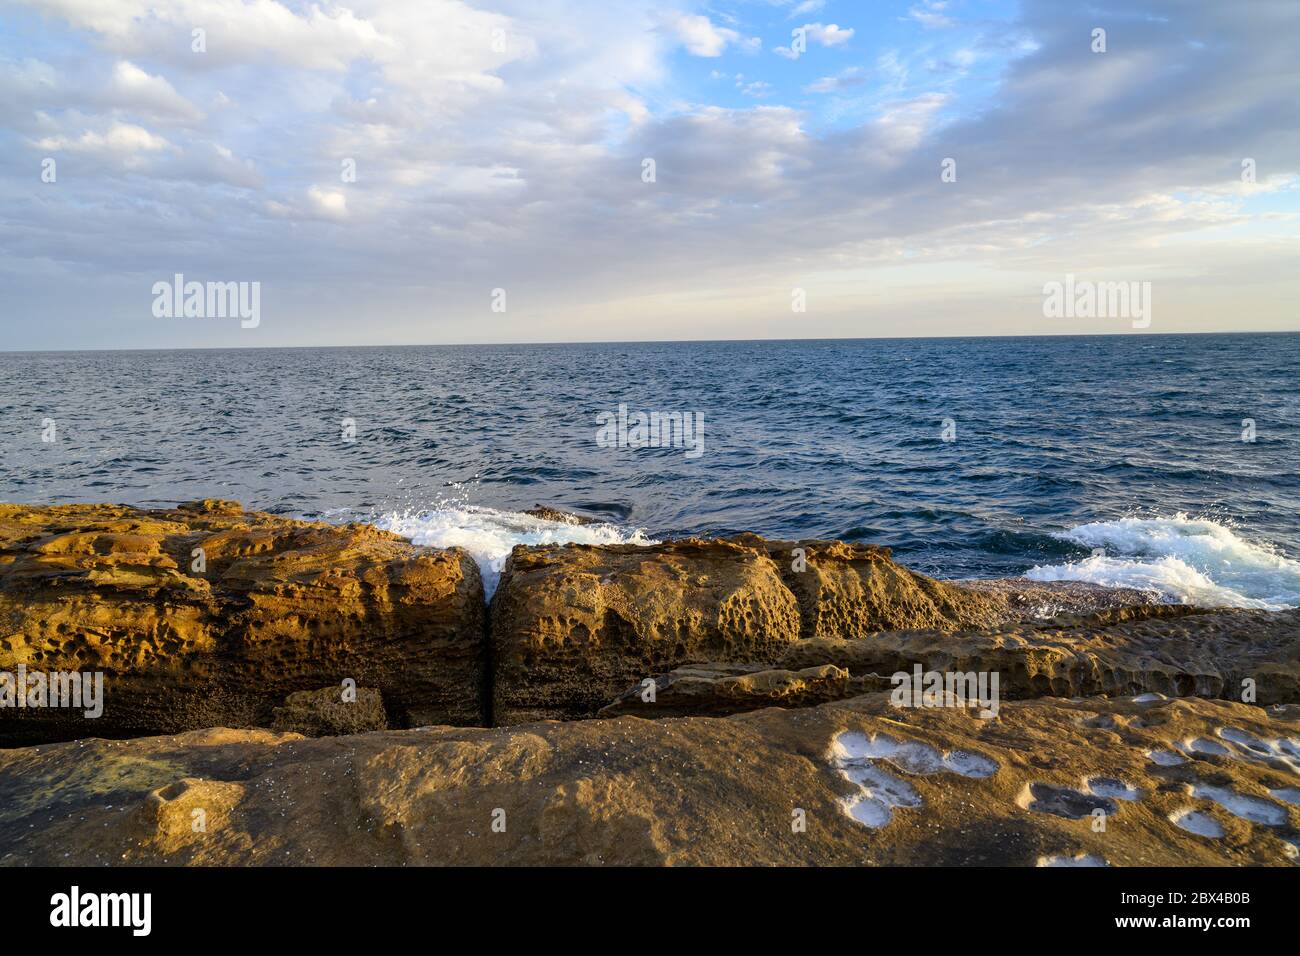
(574,625)
(1160,650)
(852,590)
(772,787)
(331,712)
(206,615)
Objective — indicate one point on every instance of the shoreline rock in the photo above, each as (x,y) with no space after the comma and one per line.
(1048,599)
(205,615)
(326,713)
(853,783)
(274,607)
(1170,651)
(716,690)
(773,739)
(571,625)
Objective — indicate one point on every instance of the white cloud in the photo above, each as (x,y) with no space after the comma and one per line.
(905,123)
(807,7)
(135,89)
(317,203)
(852,76)
(520,164)
(119,138)
(701,36)
(824,34)
(828,34)
(930,14)
(329,203)
(236,30)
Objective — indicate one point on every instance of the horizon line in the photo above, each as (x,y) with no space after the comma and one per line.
(845,338)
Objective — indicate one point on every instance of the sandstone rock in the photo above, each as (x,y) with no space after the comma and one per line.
(1102,653)
(563,517)
(1167,650)
(574,625)
(857,782)
(325,712)
(850,590)
(1035,600)
(204,615)
(720,689)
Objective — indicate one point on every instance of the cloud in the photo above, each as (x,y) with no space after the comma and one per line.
(828,34)
(135,90)
(701,37)
(807,7)
(317,203)
(329,203)
(234,30)
(929,13)
(518,164)
(817,33)
(119,138)
(849,77)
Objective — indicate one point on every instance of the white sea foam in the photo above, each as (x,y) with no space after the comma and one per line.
(1184,560)
(489,534)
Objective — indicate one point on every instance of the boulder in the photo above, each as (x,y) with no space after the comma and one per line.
(573,625)
(854,783)
(851,590)
(547,513)
(205,615)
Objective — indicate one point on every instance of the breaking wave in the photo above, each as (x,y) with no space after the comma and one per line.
(1184,560)
(489,534)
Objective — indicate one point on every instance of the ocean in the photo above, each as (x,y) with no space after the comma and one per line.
(1164,462)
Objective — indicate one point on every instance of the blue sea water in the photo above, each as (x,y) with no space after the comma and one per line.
(1117,459)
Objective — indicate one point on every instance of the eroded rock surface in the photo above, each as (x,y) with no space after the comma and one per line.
(1166,650)
(720,689)
(858,782)
(1046,599)
(851,590)
(331,712)
(205,615)
(574,625)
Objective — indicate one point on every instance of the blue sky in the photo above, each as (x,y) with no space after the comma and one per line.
(501,145)
(895,50)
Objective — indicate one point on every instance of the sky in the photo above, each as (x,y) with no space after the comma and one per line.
(439,171)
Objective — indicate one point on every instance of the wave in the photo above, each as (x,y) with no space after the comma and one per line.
(1183,560)
(489,535)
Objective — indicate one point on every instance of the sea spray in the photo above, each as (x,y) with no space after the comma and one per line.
(489,535)
(1182,559)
